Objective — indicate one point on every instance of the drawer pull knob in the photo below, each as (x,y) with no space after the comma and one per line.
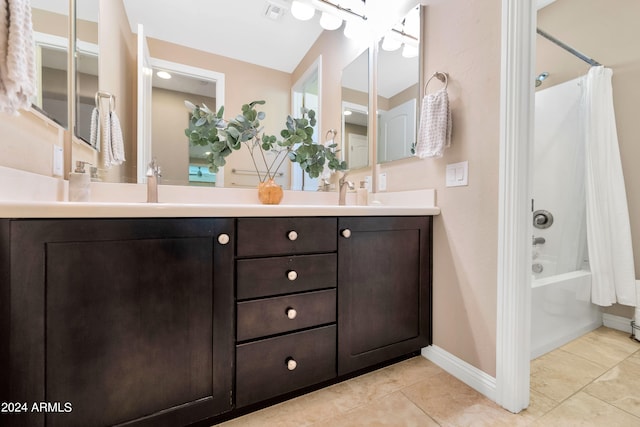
(292,275)
(291,313)
(292,235)
(223,239)
(346,233)
(291,364)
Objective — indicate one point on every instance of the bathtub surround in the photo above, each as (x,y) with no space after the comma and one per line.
(608,227)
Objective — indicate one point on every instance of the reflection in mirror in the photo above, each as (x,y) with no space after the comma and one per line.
(306,94)
(87,80)
(172,84)
(398,89)
(51,28)
(355,111)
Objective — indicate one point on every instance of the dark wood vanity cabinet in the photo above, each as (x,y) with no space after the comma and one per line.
(117,321)
(384,289)
(286,305)
(167,322)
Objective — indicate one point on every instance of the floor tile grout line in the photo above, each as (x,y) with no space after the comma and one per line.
(420,407)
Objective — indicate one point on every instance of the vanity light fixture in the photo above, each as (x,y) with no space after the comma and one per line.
(409,50)
(163,75)
(302,11)
(391,41)
(330,22)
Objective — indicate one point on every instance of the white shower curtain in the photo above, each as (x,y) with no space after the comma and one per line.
(608,228)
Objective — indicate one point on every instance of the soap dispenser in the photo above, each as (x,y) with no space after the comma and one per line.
(79,183)
(362,195)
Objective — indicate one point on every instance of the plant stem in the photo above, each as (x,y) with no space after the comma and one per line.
(254,160)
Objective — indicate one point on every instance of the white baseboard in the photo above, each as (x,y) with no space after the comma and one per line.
(616,322)
(468,374)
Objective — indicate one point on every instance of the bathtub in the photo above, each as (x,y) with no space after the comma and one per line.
(561,310)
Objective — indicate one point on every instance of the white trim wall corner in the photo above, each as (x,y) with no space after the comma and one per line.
(513,335)
(468,374)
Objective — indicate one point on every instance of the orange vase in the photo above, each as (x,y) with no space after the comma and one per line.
(269,192)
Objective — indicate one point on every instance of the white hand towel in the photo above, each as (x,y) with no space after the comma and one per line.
(434,134)
(17,56)
(94,133)
(117,143)
(106,141)
(325,175)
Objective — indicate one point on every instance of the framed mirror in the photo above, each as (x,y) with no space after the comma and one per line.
(398,87)
(355,112)
(87,66)
(51,36)
(257,69)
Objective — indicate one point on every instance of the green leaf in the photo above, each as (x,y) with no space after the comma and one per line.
(201,121)
(190,106)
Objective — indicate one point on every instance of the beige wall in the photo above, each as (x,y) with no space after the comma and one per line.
(609,33)
(463,39)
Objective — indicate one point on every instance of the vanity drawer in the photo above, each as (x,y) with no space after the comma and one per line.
(262,277)
(275,366)
(286,236)
(269,316)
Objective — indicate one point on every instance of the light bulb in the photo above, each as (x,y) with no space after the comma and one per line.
(330,22)
(391,42)
(163,75)
(302,11)
(409,51)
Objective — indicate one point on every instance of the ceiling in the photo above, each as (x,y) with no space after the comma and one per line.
(232,28)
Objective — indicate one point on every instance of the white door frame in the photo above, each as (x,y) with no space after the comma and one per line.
(513,333)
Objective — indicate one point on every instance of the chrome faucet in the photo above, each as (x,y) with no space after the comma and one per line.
(537,240)
(343,184)
(153,176)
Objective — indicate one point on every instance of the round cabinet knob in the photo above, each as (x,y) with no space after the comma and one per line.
(346,233)
(223,239)
(291,313)
(292,275)
(291,364)
(292,235)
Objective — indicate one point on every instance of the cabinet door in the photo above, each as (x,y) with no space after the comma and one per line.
(384,289)
(126,320)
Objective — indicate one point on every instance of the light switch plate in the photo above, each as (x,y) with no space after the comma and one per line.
(382,182)
(457,174)
(58,160)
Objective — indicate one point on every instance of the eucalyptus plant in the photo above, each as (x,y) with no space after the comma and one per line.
(208,128)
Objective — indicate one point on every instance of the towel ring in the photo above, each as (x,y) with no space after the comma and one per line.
(102,94)
(440,76)
(331,134)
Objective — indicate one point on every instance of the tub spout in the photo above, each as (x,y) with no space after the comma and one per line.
(537,240)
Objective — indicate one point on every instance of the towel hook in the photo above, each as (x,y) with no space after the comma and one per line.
(331,134)
(443,77)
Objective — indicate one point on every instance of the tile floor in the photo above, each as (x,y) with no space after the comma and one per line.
(592,381)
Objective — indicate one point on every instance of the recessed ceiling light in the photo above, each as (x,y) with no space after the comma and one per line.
(347,112)
(163,75)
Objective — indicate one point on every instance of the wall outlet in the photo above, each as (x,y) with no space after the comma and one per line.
(382,182)
(367,182)
(58,161)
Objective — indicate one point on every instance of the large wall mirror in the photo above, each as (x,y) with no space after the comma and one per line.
(355,112)
(51,36)
(398,87)
(87,79)
(267,65)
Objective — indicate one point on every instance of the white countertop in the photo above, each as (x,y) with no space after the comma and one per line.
(179,210)
(28,195)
